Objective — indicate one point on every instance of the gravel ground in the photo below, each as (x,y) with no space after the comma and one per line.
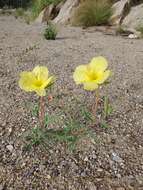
(115,161)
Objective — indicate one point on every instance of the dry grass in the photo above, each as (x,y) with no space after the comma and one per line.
(93,13)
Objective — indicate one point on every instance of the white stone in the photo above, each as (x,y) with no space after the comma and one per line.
(133,36)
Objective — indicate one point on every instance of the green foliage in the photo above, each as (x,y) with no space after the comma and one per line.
(69,135)
(22,13)
(93,13)
(87,115)
(49,119)
(34,138)
(104,125)
(68,125)
(69,132)
(35,111)
(107,108)
(19,12)
(50,32)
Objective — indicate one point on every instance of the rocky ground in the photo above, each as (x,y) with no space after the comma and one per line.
(115,160)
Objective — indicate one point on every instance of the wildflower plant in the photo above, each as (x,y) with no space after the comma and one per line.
(70,130)
(38,81)
(92,76)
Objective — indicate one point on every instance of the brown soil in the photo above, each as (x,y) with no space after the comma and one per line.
(115,160)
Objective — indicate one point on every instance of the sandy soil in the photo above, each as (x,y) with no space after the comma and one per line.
(115,161)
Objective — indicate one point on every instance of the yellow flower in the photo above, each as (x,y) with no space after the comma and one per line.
(36,80)
(93,74)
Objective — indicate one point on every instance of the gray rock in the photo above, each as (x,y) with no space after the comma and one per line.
(66,12)
(45,15)
(118,9)
(135,18)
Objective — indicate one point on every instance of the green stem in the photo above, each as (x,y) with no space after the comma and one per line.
(41,112)
(96,104)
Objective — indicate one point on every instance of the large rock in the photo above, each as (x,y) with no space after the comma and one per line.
(40,17)
(66,12)
(118,11)
(135,18)
(45,15)
(48,13)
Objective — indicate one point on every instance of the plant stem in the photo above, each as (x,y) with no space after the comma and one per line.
(96,104)
(41,112)
(105,107)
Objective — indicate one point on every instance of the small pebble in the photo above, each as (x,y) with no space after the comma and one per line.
(86,159)
(118,175)
(116,158)
(9,147)
(99,170)
(10,130)
(48,177)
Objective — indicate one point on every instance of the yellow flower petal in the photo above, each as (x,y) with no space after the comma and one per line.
(27,79)
(90,86)
(93,74)
(41,72)
(41,92)
(48,82)
(101,79)
(36,80)
(98,64)
(80,74)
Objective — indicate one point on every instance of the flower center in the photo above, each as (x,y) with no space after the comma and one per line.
(38,83)
(92,75)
